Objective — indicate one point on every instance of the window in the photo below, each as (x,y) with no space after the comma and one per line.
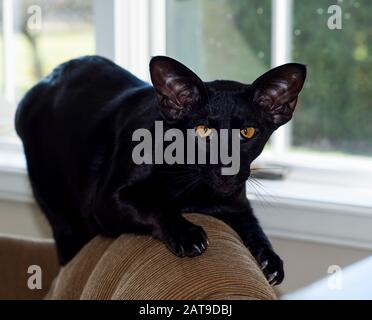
(220,40)
(336,112)
(243,38)
(325,151)
(236,40)
(37,36)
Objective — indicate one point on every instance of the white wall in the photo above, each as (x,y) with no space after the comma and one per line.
(24,219)
(305,262)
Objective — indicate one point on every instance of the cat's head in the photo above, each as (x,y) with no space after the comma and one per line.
(256,110)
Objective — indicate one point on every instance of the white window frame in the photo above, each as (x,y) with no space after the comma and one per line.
(8,51)
(130,32)
(145,26)
(281,53)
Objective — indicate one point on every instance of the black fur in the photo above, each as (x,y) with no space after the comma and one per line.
(77,124)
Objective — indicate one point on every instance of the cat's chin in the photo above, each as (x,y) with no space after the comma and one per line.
(225,194)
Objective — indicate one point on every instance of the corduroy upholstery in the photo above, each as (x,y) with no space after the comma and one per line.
(16,256)
(139,267)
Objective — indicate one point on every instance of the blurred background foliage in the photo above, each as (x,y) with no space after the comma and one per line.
(67,31)
(231,39)
(335,112)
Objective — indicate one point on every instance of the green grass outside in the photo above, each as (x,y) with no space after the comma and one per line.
(53,49)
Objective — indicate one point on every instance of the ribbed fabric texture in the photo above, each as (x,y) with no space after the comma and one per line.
(16,256)
(139,267)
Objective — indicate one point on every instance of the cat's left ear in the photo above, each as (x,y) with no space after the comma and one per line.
(277,91)
(178,89)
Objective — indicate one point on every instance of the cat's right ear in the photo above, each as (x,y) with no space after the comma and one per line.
(178,89)
(277,91)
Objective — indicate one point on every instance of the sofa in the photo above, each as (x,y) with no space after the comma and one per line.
(134,267)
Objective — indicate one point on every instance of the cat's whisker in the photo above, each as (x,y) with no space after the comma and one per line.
(258,187)
(260,197)
(263,188)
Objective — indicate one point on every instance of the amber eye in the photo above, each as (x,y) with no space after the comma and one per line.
(203,131)
(248,133)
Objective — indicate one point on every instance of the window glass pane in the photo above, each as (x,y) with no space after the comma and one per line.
(4,111)
(336,106)
(1,47)
(66,32)
(220,39)
(47,33)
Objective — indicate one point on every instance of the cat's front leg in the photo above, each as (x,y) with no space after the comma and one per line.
(254,238)
(239,215)
(256,241)
(122,214)
(183,238)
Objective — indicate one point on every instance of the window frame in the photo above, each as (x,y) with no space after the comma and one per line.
(130,32)
(8,51)
(154,32)
(313,207)
(134,32)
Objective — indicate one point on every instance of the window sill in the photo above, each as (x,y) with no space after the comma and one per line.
(295,208)
(315,212)
(323,198)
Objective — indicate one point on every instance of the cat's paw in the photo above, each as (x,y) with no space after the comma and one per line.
(271,265)
(188,241)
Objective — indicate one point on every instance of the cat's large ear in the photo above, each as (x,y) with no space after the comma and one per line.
(178,89)
(277,91)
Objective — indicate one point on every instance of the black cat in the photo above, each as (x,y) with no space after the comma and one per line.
(77,124)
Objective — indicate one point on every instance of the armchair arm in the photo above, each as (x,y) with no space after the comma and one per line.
(140,268)
(16,256)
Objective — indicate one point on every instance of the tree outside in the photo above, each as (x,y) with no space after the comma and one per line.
(67,32)
(232,40)
(224,39)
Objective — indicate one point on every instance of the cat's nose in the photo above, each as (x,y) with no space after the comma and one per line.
(224,179)
(228,180)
